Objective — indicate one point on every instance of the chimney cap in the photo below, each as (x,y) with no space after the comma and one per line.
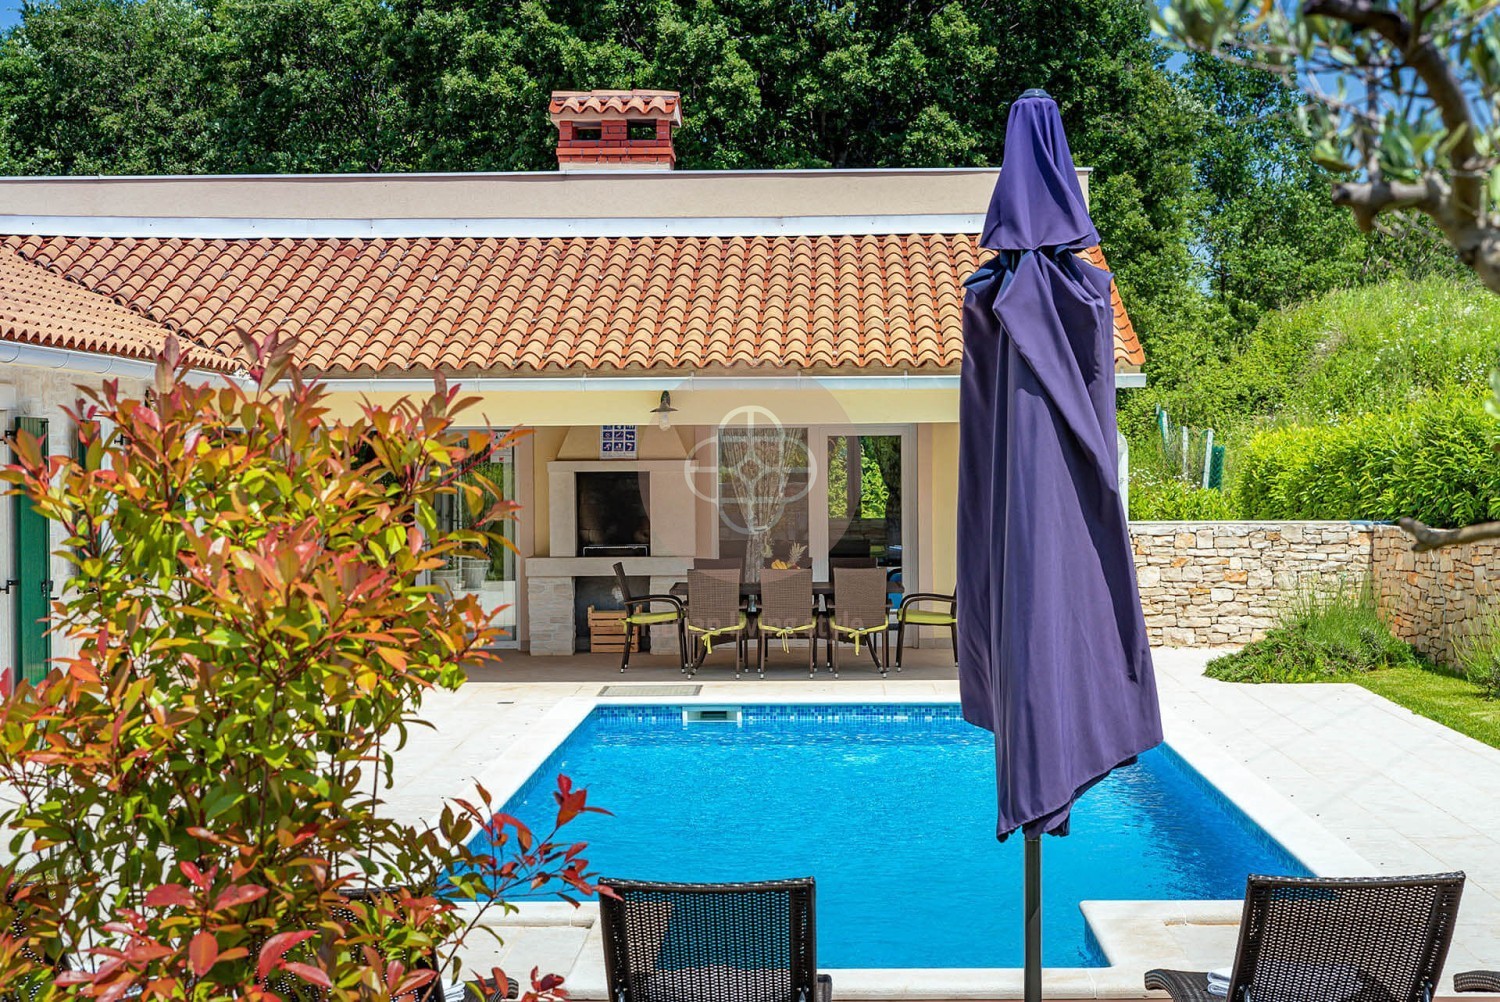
(601,105)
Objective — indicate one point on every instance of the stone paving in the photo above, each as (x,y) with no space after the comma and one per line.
(1406,794)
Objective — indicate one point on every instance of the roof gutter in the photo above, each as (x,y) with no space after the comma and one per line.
(686,383)
(86,362)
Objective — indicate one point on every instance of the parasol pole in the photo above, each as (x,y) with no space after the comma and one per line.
(1033,970)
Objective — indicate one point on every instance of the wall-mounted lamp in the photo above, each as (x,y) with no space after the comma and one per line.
(664,411)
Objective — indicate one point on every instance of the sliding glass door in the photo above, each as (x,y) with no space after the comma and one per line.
(864,489)
(492,578)
(765,485)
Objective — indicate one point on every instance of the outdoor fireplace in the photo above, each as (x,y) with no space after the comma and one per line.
(639,512)
(613,513)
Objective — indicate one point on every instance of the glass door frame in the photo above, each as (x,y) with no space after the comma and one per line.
(818,436)
(513,454)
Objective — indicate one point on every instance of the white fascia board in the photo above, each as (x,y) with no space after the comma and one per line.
(517,175)
(726,226)
(99,364)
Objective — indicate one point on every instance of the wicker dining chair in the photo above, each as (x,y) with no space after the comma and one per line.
(907,612)
(639,617)
(786,611)
(714,613)
(861,613)
(1477,981)
(751,942)
(1334,939)
(717,563)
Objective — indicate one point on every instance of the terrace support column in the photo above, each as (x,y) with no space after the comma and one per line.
(549,603)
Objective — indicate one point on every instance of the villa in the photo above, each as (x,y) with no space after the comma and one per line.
(633,316)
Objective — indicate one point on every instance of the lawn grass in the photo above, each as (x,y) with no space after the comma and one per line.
(1437,695)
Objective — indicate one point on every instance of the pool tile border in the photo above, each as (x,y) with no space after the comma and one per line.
(1312,844)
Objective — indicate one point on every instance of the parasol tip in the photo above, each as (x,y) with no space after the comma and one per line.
(1035,92)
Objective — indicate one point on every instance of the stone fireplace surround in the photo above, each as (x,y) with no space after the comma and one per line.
(550,579)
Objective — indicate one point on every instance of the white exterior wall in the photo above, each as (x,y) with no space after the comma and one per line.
(40,393)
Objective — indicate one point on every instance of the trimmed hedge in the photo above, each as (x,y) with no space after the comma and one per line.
(1175,501)
(1433,459)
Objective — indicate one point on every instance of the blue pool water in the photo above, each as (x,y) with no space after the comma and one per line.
(891,808)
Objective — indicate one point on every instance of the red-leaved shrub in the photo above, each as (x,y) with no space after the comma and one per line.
(193,792)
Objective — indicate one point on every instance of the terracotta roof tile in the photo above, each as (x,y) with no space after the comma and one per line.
(582,103)
(507,304)
(43,308)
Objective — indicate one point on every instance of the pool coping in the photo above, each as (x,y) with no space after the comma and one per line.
(1134,936)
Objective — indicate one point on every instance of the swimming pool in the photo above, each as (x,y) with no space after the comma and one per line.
(890,807)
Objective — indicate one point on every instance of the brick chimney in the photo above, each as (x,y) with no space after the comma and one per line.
(615,129)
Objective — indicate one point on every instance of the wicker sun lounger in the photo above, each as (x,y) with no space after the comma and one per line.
(1322,939)
(1477,981)
(711,942)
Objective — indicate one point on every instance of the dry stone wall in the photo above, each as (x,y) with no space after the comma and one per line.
(1433,599)
(1220,583)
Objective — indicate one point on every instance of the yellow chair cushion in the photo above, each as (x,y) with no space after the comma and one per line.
(923,617)
(715,630)
(651,618)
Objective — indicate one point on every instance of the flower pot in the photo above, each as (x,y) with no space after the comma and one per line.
(474,573)
(447,578)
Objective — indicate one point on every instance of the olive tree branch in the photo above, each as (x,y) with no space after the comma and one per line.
(1456,205)
(1425,537)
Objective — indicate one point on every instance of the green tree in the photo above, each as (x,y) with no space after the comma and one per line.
(310,88)
(1400,98)
(99,86)
(1266,238)
(454,85)
(1269,236)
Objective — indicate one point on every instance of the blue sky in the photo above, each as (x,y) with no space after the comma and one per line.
(10,12)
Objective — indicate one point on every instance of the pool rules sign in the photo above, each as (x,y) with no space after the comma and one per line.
(617,441)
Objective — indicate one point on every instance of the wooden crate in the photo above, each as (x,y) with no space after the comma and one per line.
(607,632)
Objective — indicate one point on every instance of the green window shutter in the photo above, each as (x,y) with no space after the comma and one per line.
(33,592)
